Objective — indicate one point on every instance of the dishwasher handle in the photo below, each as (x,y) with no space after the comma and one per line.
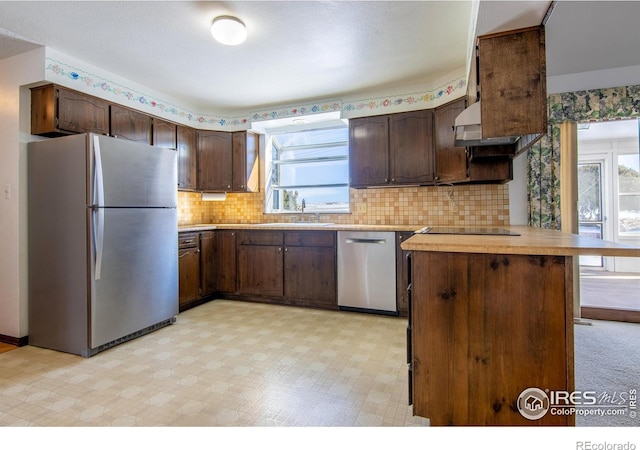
(365,241)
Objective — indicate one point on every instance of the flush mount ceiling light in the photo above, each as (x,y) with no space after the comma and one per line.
(228,30)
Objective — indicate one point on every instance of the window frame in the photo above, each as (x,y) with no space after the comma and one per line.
(272,186)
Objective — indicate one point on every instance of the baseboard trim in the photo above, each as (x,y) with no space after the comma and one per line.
(615,315)
(20,342)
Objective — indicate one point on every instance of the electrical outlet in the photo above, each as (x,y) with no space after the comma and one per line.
(361,208)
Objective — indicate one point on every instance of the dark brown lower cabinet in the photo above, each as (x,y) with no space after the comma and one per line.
(484,328)
(310,268)
(291,267)
(282,267)
(188,269)
(260,263)
(225,261)
(208,265)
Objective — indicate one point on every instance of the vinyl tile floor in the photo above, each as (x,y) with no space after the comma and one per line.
(224,363)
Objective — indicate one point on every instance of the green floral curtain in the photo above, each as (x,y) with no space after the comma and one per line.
(543,179)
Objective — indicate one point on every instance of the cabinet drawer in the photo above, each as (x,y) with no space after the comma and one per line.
(310,238)
(187,240)
(261,238)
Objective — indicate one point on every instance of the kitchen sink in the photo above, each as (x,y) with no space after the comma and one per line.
(295,224)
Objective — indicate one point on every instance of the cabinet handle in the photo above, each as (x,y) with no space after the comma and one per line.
(286,249)
(228,187)
(386,180)
(279,249)
(393,180)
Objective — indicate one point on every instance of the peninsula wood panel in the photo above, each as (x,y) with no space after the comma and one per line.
(484,328)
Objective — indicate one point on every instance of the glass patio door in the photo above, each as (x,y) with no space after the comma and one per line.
(590,206)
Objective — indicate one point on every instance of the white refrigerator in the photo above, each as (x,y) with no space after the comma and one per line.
(103,241)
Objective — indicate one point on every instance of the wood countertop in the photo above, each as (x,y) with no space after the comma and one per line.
(531,241)
(296,227)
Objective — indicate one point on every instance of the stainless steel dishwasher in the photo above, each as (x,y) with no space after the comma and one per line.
(367,271)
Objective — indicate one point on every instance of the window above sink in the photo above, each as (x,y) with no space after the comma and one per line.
(307,158)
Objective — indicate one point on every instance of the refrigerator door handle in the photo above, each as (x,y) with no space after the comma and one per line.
(98,239)
(98,210)
(98,179)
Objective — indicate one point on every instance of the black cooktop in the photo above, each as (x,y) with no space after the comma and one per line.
(491,231)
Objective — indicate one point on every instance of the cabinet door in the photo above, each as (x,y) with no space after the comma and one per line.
(369,151)
(512,74)
(208,266)
(189,278)
(81,113)
(186,145)
(260,270)
(214,161)
(245,162)
(239,161)
(164,133)
(451,162)
(129,124)
(411,147)
(310,275)
(226,261)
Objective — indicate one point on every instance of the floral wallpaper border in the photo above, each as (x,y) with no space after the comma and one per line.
(543,173)
(446,90)
(92,83)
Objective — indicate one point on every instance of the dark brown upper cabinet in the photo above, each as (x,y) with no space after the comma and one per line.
(394,149)
(57,111)
(451,162)
(214,161)
(411,147)
(511,76)
(462,165)
(245,162)
(228,161)
(164,133)
(130,124)
(186,143)
(369,151)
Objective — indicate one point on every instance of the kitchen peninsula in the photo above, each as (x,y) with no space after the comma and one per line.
(491,317)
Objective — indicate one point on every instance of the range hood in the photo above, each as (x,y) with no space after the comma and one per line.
(468,130)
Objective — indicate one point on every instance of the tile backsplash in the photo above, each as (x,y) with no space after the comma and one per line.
(460,205)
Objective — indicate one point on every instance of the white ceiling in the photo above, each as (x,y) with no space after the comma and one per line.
(307,50)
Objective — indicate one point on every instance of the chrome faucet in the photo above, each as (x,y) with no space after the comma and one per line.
(304,205)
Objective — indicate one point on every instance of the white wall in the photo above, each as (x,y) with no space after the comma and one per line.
(518,205)
(597,79)
(14,72)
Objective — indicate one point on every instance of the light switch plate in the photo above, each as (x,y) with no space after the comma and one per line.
(361,208)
